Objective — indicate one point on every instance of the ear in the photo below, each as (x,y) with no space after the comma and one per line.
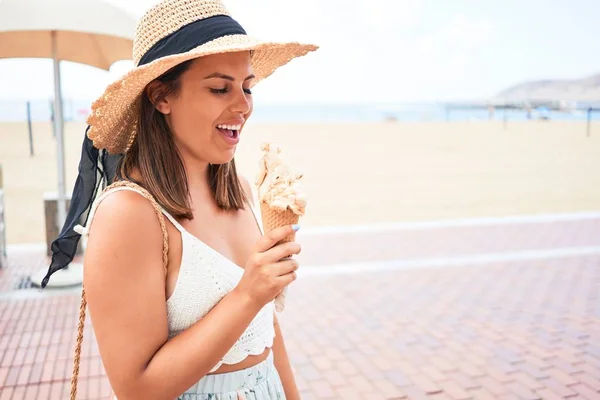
(153,90)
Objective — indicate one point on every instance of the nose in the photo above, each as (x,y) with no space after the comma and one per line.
(242,102)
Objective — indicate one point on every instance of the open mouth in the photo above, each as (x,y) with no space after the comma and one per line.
(230,131)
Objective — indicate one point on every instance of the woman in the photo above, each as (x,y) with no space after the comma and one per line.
(182,307)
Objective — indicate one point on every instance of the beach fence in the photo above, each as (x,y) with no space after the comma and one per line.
(543,110)
(41,110)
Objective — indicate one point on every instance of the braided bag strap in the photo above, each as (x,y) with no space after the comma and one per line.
(83,305)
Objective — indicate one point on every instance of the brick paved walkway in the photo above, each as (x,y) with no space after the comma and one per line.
(502,330)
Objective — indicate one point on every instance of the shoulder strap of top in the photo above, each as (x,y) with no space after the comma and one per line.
(257,218)
(177,225)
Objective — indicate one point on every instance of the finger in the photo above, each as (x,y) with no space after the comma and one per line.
(284,267)
(275,236)
(286,279)
(280,252)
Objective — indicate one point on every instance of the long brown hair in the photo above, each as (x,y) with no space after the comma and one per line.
(159,162)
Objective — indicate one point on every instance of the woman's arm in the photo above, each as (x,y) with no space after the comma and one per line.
(124,283)
(283,366)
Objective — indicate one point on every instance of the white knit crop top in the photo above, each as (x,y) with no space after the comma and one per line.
(205,277)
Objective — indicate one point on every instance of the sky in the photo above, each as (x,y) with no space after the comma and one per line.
(380,51)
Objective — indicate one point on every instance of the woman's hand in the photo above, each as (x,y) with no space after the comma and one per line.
(269,269)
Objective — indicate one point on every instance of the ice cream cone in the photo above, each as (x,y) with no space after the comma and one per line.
(273,218)
(282,198)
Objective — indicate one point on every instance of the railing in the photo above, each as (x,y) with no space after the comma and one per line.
(41,110)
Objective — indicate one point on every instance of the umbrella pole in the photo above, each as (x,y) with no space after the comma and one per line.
(73,273)
(58,130)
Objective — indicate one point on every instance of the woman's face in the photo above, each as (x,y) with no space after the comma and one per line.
(208,113)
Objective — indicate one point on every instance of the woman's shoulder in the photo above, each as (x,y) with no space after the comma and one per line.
(125,202)
(125,212)
(124,238)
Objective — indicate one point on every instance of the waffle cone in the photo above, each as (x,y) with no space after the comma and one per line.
(274,218)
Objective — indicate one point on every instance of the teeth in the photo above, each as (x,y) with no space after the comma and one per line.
(230,127)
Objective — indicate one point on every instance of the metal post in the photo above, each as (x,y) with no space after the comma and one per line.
(29,128)
(58,129)
(589,120)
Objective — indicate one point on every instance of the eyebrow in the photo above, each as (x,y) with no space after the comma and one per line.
(223,76)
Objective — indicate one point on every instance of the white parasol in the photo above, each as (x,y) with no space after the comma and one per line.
(92,32)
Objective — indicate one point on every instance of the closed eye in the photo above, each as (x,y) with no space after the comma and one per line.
(225,90)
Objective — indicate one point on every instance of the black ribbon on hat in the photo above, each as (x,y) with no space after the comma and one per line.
(193,35)
(97,167)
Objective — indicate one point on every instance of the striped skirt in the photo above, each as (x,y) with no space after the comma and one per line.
(260,382)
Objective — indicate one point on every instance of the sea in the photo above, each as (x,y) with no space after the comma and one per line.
(77,110)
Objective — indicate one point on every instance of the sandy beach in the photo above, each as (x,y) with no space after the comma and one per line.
(359,174)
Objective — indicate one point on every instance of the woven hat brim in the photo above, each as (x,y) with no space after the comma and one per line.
(113,116)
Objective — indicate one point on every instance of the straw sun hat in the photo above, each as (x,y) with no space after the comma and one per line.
(171,32)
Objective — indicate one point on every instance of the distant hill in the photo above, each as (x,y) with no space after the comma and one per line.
(586,89)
